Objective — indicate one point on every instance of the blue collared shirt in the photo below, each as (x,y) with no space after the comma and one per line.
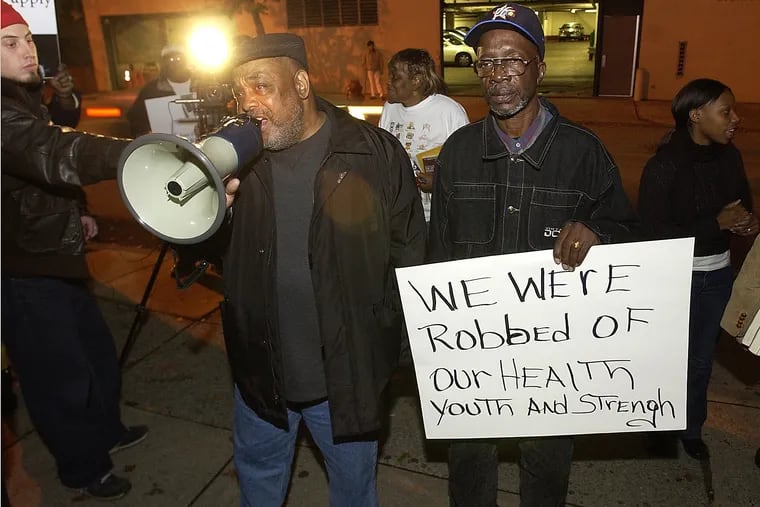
(525,141)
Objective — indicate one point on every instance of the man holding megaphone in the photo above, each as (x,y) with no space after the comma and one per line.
(311,314)
(312,210)
(58,342)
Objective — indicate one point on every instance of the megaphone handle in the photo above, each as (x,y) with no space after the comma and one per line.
(184,283)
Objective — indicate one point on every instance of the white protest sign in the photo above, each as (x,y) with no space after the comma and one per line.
(40,14)
(512,345)
(168,117)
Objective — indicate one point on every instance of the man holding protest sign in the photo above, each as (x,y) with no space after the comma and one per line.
(522,179)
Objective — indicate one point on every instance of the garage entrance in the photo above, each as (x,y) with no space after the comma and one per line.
(572,31)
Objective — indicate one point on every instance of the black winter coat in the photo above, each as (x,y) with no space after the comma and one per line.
(684,187)
(43,168)
(367,220)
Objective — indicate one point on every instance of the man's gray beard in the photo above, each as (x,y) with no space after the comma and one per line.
(290,133)
(512,112)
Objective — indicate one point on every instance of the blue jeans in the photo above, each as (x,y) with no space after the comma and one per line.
(64,354)
(710,291)
(264,457)
(544,472)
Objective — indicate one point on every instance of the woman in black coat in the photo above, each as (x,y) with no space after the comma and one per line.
(695,186)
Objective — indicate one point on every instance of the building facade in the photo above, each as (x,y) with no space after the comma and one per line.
(334,45)
(642,48)
(683,40)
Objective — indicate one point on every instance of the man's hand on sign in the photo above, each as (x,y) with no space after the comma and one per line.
(572,245)
(63,86)
(62,82)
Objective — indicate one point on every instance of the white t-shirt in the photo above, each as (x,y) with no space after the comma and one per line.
(423,126)
(182,88)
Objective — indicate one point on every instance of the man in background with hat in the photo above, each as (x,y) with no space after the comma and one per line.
(522,179)
(58,342)
(174,79)
(311,314)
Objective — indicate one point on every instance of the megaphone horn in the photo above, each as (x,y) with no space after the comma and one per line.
(175,189)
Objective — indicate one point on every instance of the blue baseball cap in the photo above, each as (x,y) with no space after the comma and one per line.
(510,16)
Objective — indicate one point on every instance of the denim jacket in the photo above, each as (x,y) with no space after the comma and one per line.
(487,201)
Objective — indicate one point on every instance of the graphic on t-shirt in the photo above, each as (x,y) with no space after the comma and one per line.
(421,128)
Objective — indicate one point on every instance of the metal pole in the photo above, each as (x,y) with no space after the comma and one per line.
(141,308)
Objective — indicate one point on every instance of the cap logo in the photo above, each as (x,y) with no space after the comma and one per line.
(504,12)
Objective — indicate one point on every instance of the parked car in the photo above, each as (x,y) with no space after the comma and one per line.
(456,51)
(460,34)
(571,31)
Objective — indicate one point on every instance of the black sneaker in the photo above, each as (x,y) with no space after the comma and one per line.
(132,436)
(108,487)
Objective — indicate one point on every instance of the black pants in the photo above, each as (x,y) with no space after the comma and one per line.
(544,472)
(65,358)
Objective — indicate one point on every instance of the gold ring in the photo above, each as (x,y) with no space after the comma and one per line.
(576,244)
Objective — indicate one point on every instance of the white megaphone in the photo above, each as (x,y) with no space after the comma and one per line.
(175,188)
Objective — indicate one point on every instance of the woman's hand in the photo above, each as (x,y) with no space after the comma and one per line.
(734,217)
(425,182)
(750,228)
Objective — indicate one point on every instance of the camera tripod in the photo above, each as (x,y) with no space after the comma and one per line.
(211,108)
(141,307)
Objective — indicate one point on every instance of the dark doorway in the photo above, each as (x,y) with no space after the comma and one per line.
(619,55)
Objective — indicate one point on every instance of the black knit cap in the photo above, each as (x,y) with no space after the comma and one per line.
(269,45)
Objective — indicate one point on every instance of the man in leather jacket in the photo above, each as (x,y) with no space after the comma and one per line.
(311,315)
(55,335)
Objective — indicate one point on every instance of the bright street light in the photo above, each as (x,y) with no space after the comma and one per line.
(209,48)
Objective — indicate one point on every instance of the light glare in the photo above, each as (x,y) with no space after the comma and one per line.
(362,112)
(208,48)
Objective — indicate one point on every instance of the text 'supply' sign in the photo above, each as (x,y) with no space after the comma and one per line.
(513,345)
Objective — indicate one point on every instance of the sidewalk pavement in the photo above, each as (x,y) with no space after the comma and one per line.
(177,382)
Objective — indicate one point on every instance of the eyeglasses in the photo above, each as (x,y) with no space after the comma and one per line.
(512,66)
